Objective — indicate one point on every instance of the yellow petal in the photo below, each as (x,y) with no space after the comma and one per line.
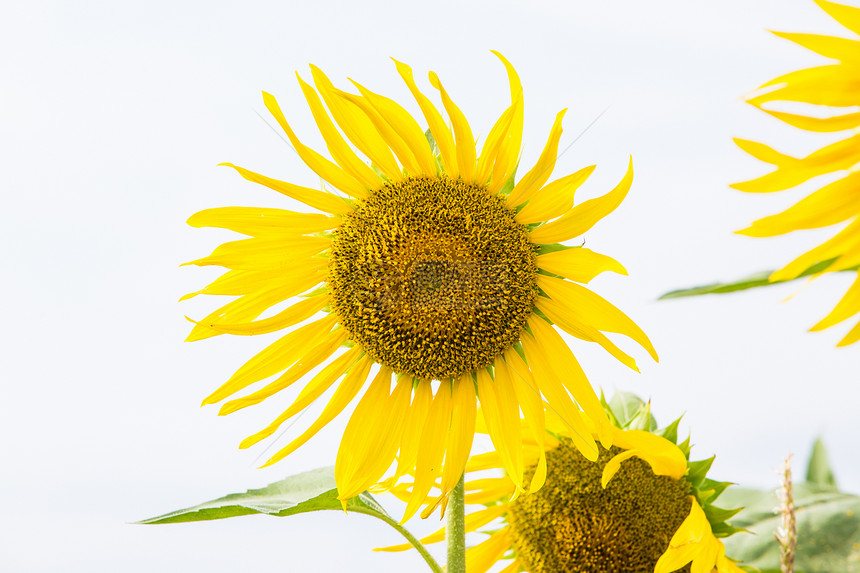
(584,216)
(509,149)
(357,127)
(828,46)
(568,370)
(257,221)
(313,390)
(841,155)
(343,395)
(831,85)
(461,434)
(557,398)
(321,200)
(481,557)
(432,449)
(441,134)
(529,398)
(501,412)
(846,241)
(414,424)
(848,16)
(329,171)
(266,253)
(852,336)
(846,308)
(462,132)
(493,146)
(540,173)
(554,200)
(371,436)
(574,323)
(275,358)
(613,465)
(296,313)
(578,264)
(474,520)
(764,152)
(405,126)
(664,457)
(819,124)
(833,203)
(250,306)
(340,151)
(595,310)
(313,358)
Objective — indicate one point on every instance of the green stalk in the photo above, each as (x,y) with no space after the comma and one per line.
(455,529)
(409,537)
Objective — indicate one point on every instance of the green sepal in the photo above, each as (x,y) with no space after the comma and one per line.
(549,274)
(643,420)
(710,490)
(685,447)
(722,530)
(670,432)
(546,249)
(698,470)
(760,279)
(718,514)
(509,184)
(626,406)
(608,409)
(431,141)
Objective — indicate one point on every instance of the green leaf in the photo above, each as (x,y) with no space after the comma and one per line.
(828,529)
(752,281)
(818,471)
(310,491)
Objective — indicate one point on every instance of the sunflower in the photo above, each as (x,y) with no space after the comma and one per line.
(834,92)
(642,508)
(428,263)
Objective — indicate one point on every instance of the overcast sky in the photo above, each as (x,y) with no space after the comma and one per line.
(113,117)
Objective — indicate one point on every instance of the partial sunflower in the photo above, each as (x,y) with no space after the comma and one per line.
(431,262)
(642,508)
(834,90)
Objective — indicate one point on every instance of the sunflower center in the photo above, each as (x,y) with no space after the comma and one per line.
(432,276)
(574,525)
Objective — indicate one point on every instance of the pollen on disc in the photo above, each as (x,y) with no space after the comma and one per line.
(433,276)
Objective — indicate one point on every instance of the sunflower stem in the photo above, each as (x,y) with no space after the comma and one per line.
(455,529)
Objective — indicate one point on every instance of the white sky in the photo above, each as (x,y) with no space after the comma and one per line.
(113,118)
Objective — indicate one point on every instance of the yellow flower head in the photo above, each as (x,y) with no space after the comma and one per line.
(833,88)
(642,508)
(430,264)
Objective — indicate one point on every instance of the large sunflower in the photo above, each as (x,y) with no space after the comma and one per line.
(642,508)
(430,261)
(834,90)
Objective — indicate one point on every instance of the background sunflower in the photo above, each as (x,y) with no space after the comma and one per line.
(643,507)
(832,94)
